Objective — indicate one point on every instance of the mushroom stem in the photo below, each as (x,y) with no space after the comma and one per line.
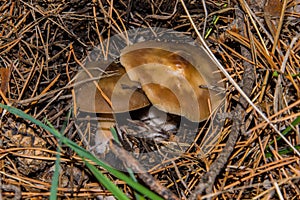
(104,135)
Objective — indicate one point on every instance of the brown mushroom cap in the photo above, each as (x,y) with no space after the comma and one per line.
(127,96)
(171,75)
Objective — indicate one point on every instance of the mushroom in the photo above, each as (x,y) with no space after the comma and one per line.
(114,83)
(171,76)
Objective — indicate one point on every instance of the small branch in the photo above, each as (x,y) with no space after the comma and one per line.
(131,162)
(207,181)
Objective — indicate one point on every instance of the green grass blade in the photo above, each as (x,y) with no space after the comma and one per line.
(84,154)
(106,182)
(55,177)
(136,194)
(287,130)
(283,151)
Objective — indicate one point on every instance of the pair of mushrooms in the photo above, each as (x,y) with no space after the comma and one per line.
(170,76)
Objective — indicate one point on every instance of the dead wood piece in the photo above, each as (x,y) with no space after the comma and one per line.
(132,163)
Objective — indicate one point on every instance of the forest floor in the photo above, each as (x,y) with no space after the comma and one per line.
(45,44)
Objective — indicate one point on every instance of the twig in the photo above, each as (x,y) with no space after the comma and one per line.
(237,87)
(207,181)
(132,163)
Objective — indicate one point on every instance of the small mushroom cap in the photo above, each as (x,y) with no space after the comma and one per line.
(170,79)
(114,82)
